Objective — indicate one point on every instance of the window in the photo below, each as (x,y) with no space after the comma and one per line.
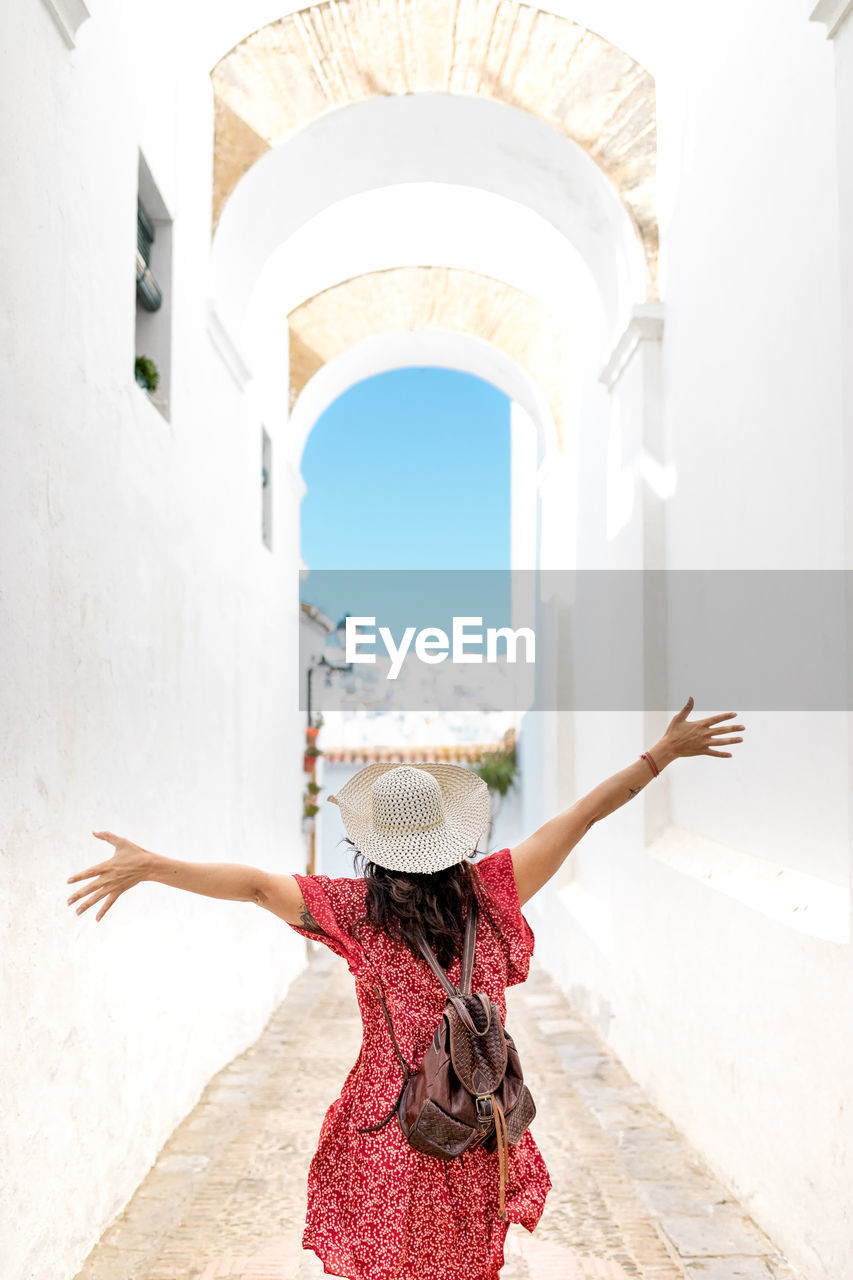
(266,488)
(153,291)
(148,292)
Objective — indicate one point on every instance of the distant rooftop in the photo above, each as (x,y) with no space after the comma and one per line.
(454,752)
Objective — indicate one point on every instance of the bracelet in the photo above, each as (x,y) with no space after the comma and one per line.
(647,756)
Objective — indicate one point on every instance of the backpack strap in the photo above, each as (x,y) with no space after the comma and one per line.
(429,955)
(468,946)
(404,1066)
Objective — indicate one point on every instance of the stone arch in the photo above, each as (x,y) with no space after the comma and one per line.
(533,432)
(437,224)
(336,54)
(426,299)
(435,347)
(434,138)
(445,136)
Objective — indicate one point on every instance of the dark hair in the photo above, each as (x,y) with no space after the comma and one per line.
(397,901)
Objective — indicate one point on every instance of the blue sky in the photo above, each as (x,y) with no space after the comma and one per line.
(409,470)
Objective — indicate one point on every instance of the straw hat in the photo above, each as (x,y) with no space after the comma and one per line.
(414,817)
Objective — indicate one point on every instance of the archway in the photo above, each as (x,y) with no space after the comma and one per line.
(283,175)
(533,432)
(334,55)
(436,139)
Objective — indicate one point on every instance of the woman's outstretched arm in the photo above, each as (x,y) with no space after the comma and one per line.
(131,864)
(536,859)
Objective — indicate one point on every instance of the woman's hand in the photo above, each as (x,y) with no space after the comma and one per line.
(128,865)
(538,857)
(685,737)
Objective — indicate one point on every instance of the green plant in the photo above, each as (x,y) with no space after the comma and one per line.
(313,751)
(146,373)
(498,769)
(309,806)
(318,721)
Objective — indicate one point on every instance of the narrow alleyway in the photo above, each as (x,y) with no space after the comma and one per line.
(225,1200)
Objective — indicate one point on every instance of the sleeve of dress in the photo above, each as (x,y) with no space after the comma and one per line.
(334,902)
(497,874)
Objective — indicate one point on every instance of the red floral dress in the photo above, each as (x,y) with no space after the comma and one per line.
(378,1209)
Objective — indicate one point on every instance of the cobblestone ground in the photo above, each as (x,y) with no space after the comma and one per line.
(226,1198)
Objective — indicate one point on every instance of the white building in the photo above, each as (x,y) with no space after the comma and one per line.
(637,221)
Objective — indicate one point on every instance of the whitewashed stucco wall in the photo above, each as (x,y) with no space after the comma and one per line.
(728,1006)
(149,673)
(150,639)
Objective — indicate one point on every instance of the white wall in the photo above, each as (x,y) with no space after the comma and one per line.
(150,639)
(716,959)
(148,644)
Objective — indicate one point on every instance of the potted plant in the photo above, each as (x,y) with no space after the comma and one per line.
(310,807)
(146,373)
(309,761)
(499,771)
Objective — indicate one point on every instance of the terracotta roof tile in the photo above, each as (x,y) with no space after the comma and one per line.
(455,752)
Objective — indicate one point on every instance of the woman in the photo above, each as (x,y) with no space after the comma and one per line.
(377,1208)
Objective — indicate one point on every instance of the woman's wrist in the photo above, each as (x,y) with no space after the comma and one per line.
(662,753)
(152,865)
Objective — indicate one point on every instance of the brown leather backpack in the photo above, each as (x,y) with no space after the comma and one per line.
(469,1088)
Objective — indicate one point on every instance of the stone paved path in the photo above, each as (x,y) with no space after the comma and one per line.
(630,1199)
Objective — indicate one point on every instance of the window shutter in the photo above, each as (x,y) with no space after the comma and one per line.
(147,289)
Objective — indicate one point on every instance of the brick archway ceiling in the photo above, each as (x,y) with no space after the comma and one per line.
(345,51)
(428,297)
